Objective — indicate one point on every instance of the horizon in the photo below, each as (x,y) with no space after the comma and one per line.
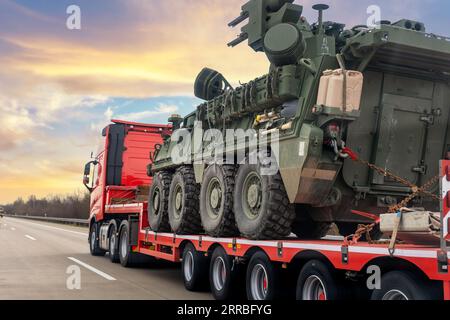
(132,60)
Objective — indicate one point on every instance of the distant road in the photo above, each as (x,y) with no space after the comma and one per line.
(34,258)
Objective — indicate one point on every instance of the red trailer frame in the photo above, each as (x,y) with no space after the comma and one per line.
(431,260)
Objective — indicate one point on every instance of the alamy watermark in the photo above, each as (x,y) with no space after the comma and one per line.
(73,21)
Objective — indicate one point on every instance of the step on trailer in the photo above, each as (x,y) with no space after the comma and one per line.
(326,269)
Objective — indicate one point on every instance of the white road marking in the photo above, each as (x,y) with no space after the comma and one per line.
(30,237)
(100,273)
(55,228)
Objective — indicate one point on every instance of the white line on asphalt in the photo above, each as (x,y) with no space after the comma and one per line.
(30,237)
(55,228)
(100,273)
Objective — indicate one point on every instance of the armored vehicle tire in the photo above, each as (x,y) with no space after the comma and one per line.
(349,228)
(158,217)
(183,206)
(216,201)
(261,205)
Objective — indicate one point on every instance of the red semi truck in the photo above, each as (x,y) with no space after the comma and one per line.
(327,269)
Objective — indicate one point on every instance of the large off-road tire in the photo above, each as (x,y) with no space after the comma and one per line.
(216,201)
(261,205)
(158,217)
(183,206)
(349,228)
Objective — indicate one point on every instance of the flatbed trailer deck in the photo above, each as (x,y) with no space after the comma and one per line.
(339,254)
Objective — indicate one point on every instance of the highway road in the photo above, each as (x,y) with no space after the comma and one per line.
(41,260)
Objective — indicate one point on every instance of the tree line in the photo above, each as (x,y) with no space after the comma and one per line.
(74,206)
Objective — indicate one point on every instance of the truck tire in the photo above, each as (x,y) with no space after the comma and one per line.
(261,206)
(216,201)
(113,248)
(402,285)
(317,282)
(183,206)
(158,218)
(94,246)
(129,259)
(194,266)
(349,228)
(263,278)
(225,277)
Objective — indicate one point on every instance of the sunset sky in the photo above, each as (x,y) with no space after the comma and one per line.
(132,59)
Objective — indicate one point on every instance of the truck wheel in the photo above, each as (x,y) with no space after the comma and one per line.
(402,285)
(261,205)
(317,282)
(93,242)
(348,228)
(183,204)
(194,267)
(158,217)
(225,276)
(216,201)
(128,258)
(262,281)
(113,251)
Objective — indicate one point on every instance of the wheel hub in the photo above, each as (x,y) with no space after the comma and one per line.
(215,198)
(253,196)
(156,199)
(178,200)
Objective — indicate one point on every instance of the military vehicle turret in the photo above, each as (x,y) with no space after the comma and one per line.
(382,91)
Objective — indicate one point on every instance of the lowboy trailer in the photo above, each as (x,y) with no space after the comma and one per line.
(328,269)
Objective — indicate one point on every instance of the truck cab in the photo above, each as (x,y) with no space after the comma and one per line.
(118,172)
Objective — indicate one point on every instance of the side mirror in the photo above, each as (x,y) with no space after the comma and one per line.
(87,175)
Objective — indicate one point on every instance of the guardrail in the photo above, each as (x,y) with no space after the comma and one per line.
(77,222)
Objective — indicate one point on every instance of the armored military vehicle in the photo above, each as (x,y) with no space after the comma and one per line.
(381,91)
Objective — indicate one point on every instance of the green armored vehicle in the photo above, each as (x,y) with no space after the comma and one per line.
(382,91)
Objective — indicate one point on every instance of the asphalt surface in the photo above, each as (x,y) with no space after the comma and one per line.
(41,260)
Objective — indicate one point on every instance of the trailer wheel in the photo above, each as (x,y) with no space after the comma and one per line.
(128,258)
(317,282)
(113,251)
(225,276)
(158,218)
(216,201)
(183,206)
(402,285)
(261,205)
(194,267)
(262,281)
(94,246)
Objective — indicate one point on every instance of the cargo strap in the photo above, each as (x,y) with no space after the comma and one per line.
(398,208)
(398,220)
(416,191)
